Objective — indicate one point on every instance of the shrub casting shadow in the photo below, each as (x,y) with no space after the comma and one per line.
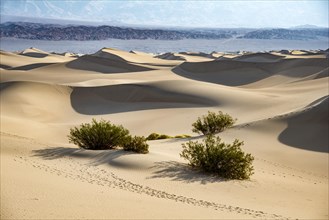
(182,172)
(96,157)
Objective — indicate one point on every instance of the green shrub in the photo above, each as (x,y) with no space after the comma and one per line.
(153,136)
(137,144)
(98,135)
(213,123)
(182,136)
(164,136)
(225,160)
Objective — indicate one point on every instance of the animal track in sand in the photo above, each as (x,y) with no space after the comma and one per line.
(94,175)
(31,140)
(295,173)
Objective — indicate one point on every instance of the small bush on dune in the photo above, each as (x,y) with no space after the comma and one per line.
(137,144)
(100,135)
(153,136)
(213,123)
(225,160)
(164,136)
(103,135)
(182,136)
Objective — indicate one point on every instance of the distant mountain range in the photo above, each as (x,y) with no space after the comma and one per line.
(288,34)
(38,31)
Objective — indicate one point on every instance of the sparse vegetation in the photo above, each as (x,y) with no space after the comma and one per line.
(215,156)
(137,144)
(213,123)
(153,136)
(164,136)
(103,135)
(183,136)
(100,135)
(156,136)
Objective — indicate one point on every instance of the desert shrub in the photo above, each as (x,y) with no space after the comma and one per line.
(182,136)
(155,136)
(137,144)
(213,123)
(164,136)
(98,135)
(213,155)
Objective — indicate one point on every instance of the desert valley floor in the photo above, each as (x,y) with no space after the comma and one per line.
(280,100)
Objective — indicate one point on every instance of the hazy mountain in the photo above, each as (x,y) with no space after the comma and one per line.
(288,34)
(38,31)
(11,18)
(43,31)
(306,26)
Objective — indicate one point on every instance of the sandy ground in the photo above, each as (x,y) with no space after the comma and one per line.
(280,101)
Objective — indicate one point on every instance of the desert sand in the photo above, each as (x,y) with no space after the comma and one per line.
(280,101)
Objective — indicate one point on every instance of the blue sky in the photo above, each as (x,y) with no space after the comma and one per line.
(216,14)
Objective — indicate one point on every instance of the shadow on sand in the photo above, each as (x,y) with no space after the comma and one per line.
(31,66)
(104,65)
(240,73)
(173,170)
(34,55)
(132,97)
(308,130)
(183,173)
(95,157)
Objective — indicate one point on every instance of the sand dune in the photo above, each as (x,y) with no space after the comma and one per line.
(186,56)
(29,59)
(34,52)
(280,100)
(171,56)
(237,72)
(136,58)
(104,65)
(259,57)
(312,122)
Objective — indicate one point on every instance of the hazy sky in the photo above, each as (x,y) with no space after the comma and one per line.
(227,13)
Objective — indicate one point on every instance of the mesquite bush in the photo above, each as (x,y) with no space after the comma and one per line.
(214,156)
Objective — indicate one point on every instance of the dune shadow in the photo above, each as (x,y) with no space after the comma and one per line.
(132,97)
(223,72)
(155,64)
(308,130)
(181,172)
(95,157)
(240,73)
(31,66)
(104,65)
(198,54)
(34,54)
(4,66)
